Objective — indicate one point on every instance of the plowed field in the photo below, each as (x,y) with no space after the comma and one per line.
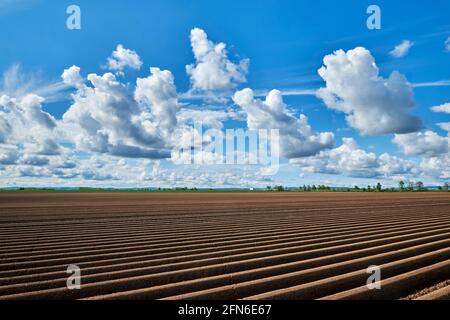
(224,245)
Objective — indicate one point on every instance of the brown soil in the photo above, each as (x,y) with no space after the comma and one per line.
(428,290)
(223,245)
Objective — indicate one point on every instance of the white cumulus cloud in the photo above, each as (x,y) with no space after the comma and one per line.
(373,105)
(106,118)
(24,123)
(212,69)
(427,143)
(72,77)
(122,58)
(349,159)
(297,139)
(437,167)
(159,93)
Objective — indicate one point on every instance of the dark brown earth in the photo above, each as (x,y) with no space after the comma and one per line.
(224,245)
(444,285)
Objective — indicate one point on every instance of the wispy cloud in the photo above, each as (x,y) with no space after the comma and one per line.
(16,83)
(440,83)
(289,92)
(313,92)
(225,96)
(442,108)
(402,49)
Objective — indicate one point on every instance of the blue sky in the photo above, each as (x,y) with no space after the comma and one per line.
(285,43)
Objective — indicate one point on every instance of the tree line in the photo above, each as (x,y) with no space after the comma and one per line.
(402,187)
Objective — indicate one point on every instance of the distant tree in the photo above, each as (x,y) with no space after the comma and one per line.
(314,188)
(446,186)
(410,186)
(379,187)
(369,188)
(401,185)
(419,185)
(356,188)
(279,188)
(269,188)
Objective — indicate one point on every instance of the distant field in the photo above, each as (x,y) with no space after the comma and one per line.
(224,245)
